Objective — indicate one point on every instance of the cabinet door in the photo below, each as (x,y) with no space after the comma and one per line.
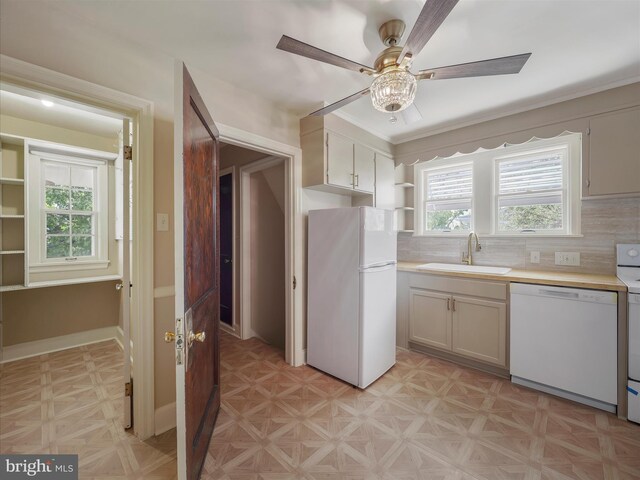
(429,318)
(614,153)
(385,179)
(364,168)
(480,329)
(339,160)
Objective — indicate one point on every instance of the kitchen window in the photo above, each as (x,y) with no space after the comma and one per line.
(447,198)
(515,190)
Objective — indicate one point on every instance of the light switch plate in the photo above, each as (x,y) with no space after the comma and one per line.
(535,257)
(568,258)
(162,222)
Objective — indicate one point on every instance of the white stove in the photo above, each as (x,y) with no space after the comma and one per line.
(628,271)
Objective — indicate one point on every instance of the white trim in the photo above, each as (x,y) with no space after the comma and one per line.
(163,292)
(294,342)
(234,328)
(70,281)
(178,215)
(68,88)
(165,418)
(63,342)
(120,339)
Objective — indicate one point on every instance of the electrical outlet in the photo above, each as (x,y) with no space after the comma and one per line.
(568,258)
(162,222)
(535,257)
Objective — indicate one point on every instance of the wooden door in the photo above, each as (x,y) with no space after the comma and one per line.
(197,275)
(430,318)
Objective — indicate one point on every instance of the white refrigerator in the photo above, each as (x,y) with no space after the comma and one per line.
(351,318)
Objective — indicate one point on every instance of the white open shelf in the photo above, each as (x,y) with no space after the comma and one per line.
(11,181)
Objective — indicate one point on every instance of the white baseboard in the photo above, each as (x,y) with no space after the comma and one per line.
(165,418)
(48,345)
(120,340)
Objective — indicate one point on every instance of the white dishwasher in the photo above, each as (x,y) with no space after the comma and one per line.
(564,342)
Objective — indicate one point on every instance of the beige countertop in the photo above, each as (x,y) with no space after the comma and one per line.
(563,279)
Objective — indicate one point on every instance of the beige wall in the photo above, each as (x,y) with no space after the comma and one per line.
(268,255)
(30,315)
(52,133)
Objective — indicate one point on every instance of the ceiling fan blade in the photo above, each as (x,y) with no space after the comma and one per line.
(494,66)
(340,103)
(431,17)
(292,45)
(411,114)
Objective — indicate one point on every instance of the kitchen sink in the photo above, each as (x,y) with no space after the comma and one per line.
(452,267)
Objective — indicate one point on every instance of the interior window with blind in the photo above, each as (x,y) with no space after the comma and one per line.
(514,190)
(448,198)
(531,193)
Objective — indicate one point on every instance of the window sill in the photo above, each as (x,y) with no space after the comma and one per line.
(72,281)
(68,267)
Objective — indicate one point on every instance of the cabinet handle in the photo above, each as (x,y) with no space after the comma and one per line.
(448,304)
(453,305)
(357,179)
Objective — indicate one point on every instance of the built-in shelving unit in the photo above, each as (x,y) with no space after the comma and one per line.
(404,187)
(12,213)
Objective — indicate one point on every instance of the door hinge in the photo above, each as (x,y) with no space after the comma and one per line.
(128,389)
(295,282)
(128,152)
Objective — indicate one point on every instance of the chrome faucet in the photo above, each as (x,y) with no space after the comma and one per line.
(468,259)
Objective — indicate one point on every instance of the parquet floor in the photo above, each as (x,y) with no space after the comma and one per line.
(425,419)
(71,402)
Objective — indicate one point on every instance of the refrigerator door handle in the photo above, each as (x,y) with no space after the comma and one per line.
(378,267)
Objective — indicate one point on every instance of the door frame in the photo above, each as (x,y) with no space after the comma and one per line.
(292,156)
(245,243)
(141,112)
(234,329)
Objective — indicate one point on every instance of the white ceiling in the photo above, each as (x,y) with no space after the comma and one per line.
(578,47)
(60,115)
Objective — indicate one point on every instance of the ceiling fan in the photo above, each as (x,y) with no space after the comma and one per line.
(394,86)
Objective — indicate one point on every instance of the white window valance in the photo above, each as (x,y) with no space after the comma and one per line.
(450,144)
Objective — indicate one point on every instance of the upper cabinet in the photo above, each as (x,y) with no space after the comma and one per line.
(612,166)
(338,163)
(351,162)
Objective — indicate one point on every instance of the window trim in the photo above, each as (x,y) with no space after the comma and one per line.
(484,203)
(40,155)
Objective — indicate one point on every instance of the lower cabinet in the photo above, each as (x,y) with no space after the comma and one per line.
(468,326)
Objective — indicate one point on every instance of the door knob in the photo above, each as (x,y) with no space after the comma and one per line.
(169,337)
(227,260)
(119,286)
(196,337)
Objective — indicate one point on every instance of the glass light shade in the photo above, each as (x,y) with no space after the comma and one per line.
(393,91)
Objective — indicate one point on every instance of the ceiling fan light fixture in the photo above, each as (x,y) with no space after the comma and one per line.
(393,91)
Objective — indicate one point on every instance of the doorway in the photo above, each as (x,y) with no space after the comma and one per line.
(54,91)
(257,285)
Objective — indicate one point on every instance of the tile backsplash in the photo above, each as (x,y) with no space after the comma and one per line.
(604,224)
